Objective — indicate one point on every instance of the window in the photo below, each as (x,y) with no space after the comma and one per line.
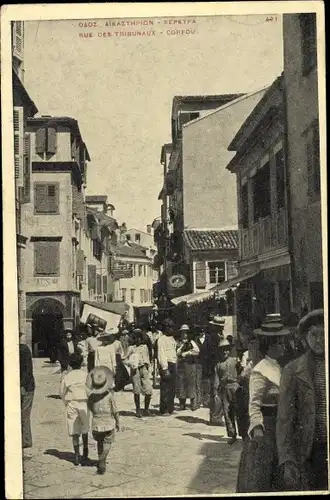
(105,285)
(19,144)
(123,294)
(137,238)
(312,139)
(46,257)
(92,277)
(141,295)
(146,296)
(280,179)
(217,272)
(46,140)
(98,284)
(128,237)
(261,193)
(187,117)
(245,206)
(140,269)
(46,198)
(308,42)
(132,295)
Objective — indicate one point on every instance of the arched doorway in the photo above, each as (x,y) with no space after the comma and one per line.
(47,325)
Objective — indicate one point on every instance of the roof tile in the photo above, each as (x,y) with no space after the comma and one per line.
(211,239)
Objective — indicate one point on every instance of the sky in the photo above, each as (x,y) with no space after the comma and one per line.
(120,89)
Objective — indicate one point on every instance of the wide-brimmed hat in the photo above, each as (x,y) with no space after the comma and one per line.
(315,317)
(224,343)
(184,328)
(217,321)
(100,380)
(272,327)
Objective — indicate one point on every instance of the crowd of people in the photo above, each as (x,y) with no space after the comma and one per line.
(267,386)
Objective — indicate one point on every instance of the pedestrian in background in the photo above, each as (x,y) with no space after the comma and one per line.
(92,344)
(27,386)
(167,359)
(202,381)
(67,346)
(225,386)
(213,356)
(82,347)
(301,429)
(138,359)
(105,416)
(74,395)
(258,468)
(187,352)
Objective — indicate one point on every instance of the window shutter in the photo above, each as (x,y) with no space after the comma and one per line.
(91,277)
(200,274)
(46,198)
(98,284)
(47,258)
(105,284)
(41,141)
(80,263)
(310,172)
(19,144)
(40,198)
(51,140)
(18,39)
(27,170)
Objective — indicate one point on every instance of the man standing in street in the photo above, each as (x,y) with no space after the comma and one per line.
(301,429)
(167,358)
(27,385)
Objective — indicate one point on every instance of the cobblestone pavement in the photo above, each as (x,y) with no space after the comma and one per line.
(154,456)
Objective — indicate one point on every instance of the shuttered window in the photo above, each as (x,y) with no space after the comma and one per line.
(92,277)
(141,296)
(46,140)
(18,39)
(46,198)
(200,275)
(217,272)
(105,284)
(132,295)
(46,258)
(123,294)
(98,284)
(80,263)
(26,193)
(18,117)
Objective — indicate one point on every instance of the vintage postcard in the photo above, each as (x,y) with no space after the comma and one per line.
(165,249)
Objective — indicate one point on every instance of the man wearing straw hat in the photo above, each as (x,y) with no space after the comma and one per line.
(301,430)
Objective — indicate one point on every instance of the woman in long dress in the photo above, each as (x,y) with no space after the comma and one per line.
(187,352)
(258,468)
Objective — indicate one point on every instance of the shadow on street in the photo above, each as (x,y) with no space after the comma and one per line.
(192,420)
(219,466)
(68,456)
(201,437)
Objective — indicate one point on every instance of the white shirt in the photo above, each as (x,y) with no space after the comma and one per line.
(166,351)
(70,347)
(106,355)
(73,386)
(92,344)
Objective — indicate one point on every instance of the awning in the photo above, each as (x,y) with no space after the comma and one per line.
(219,290)
(109,312)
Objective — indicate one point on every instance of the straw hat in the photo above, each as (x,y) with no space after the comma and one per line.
(217,321)
(100,380)
(184,328)
(272,327)
(223,343)
(315,317)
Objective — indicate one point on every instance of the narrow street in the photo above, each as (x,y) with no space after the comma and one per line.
(175,455)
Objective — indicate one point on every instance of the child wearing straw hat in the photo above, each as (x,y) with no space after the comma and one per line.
(105,416)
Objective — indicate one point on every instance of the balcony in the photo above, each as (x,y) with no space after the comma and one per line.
(265,235)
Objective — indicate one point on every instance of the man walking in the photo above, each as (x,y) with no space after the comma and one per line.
(167,359)
(301,430)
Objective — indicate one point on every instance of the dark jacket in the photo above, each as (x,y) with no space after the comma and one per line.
(26,368)
(296,414)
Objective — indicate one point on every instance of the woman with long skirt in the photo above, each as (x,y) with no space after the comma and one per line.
(258,468)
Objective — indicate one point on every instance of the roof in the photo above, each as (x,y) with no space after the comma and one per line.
(253,119)
(19,86)
(114,307)
(103,219)
(219,99)
(72,123)
(211,239)
(96,198)
(165,148)
(130,250)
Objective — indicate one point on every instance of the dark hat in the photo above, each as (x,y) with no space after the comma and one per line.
(315,317)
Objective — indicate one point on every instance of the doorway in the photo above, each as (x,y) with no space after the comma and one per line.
(47,325)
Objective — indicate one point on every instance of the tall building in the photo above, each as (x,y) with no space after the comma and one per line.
(53,219)
(24,108)
(259,165)
(303,158)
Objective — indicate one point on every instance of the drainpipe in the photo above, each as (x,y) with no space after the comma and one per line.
(288,193)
